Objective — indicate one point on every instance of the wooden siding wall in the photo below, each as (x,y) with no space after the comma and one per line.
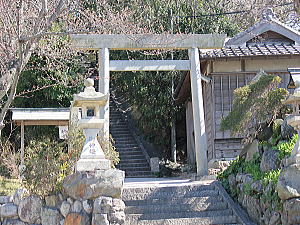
(225,144)
(208,116)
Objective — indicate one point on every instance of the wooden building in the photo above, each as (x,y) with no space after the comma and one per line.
(269,45)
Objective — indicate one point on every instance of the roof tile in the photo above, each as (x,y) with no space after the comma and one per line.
(255,50)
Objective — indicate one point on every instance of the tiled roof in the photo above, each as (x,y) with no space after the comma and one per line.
(255,50)
(268,22)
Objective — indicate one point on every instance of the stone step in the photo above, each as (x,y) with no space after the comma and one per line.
(117,123)
(216,220)
(125,145)
(118,127)
(129,150)
(114,110)
(138,174)
(126,142)
(141,176)
(130,153)
(132,159)
(140,169)
(133,164)
(162,215)
(172,189)
(125,138)
(116,118)
(175,201)
(170,208)
(125,161)
(115,129)
(113,118)
(118,132)
(114,114)
(167,195)
(128,157)
(129,168)
(122,135)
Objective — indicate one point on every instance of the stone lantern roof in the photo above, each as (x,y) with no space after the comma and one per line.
(89,95)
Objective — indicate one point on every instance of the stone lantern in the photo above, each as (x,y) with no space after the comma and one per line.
(294,119)
(288,186)
(92,156)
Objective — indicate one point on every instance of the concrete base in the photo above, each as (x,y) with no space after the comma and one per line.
(154,164)
(92,164)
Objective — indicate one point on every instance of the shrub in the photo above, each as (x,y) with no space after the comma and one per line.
(253,104)
(110,150)
(269,180)
(285,147)
(47,164)
(9,186)
(9,160)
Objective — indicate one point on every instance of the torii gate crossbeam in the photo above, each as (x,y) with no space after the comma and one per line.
(192,42)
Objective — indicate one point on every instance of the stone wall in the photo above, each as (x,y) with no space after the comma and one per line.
(85,199)
(259,209)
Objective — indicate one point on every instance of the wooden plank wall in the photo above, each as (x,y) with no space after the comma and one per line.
(208,116)
(225,144)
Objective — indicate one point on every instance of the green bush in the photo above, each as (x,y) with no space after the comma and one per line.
(110,150)
(253,104)
(9,160)
(285,147)
(9,186)
(47,164)
(269,180)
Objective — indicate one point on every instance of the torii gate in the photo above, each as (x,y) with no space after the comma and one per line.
(192,42)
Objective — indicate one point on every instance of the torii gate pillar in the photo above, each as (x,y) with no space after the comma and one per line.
(198,113)
(103,63)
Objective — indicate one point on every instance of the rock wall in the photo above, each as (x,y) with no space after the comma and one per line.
(86,199)
(260,210)
(269,199)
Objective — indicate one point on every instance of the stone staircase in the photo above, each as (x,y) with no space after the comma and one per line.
(132,158)
(199,203)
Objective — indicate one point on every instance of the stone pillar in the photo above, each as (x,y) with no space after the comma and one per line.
(104,87)
(198,113)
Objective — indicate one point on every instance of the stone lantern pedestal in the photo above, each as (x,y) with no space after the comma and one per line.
(92,157)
